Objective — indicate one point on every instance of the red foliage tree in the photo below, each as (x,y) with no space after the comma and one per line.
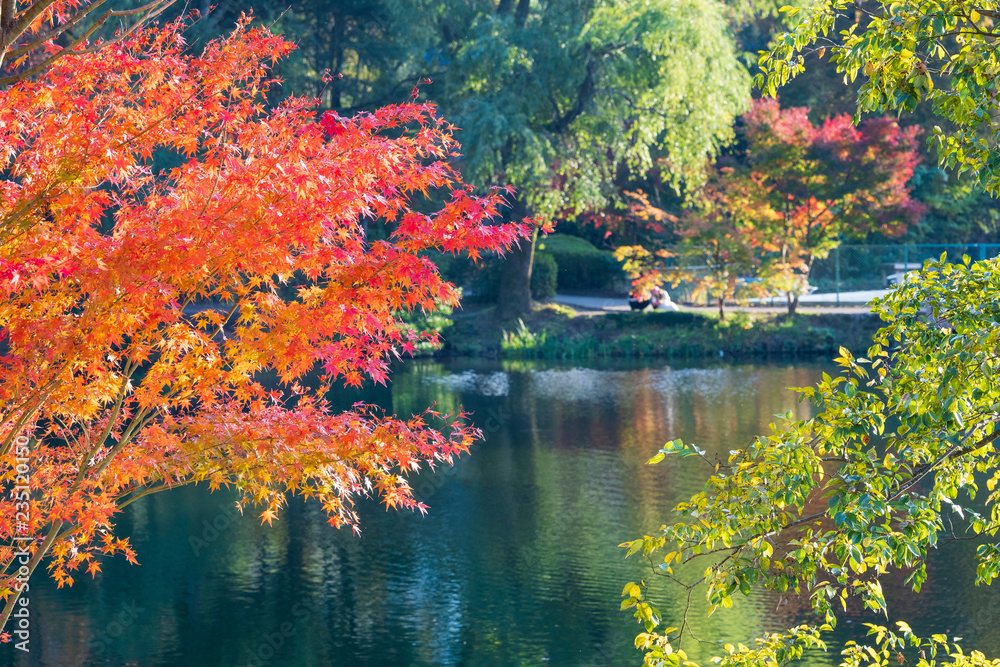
(802,189)
(114,383)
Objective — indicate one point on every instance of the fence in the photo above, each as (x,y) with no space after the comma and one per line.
(856,268)
(853,274)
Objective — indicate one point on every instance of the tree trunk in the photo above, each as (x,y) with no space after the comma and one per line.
(793,303)
(515,276)
(338,58)
(722,309)
(515,280)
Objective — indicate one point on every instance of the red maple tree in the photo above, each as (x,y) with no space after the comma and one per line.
(801,189)
(141,312)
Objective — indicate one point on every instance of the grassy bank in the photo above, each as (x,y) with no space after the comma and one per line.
(555,332)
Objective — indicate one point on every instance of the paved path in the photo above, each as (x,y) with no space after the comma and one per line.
(809,305)
(859,298)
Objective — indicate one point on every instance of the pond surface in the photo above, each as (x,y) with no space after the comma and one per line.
(515,564)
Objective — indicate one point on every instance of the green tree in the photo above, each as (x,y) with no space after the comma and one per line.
(556,97)
(825,508)
(373,48)
(958,210)
(904,439)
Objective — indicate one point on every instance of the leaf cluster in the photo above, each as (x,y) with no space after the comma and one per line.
(143,311)
(900,446)
(905,53)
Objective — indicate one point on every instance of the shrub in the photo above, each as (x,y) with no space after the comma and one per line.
(737,320)
(521,340)
(582,266)
(589,269)
(669,318)
(481,279)
(543,277)
(420,321)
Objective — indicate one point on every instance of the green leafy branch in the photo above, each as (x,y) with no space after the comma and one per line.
(825,507)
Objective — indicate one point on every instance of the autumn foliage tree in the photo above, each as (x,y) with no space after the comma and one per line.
(140,311)
(802,188)
(791,194)
(713,255)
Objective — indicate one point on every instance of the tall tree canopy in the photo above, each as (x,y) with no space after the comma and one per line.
(113,384)
(376,49)
(555,97)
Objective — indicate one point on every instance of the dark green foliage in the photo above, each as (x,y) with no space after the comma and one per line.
(564,243)
(582,267)
(553,333)
(667,318)
(543,277)
(958,210)
(480,279)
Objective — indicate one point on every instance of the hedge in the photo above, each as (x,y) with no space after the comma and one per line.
(583,267)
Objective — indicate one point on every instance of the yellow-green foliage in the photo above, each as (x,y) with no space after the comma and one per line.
(816,509)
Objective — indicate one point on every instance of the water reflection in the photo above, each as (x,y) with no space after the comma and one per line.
(516,563)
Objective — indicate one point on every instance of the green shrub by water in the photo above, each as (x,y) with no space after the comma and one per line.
(658,318)
(543,277)
(582,267)
(480,280)
(521,341)
(550,333)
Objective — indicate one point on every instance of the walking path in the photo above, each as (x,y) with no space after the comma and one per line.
(853,303)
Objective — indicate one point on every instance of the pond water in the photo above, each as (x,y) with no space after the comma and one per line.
(515,564)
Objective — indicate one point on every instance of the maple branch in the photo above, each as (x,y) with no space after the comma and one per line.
(150,490)
(119,401)
(152,10)
(8,441)
(36,558)
(139,421)
(215,184)
(14,28)
(7,221)
(55,32)
(6,14)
